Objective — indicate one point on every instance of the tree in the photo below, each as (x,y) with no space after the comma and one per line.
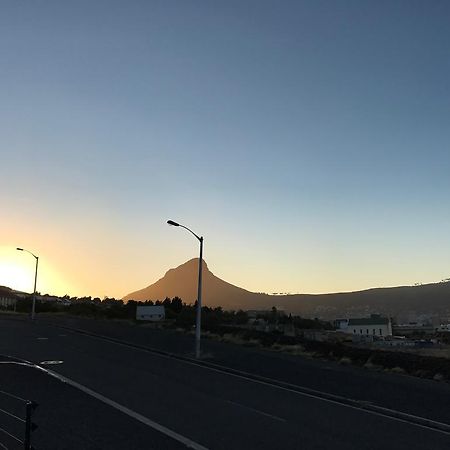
(241,317)
(176,305)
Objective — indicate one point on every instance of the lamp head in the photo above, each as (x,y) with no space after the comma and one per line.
(171,222)
(20,249)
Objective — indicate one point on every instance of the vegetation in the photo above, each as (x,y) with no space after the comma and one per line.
(235,326)
(178,313)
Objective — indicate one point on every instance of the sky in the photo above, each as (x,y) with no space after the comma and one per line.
(307,141)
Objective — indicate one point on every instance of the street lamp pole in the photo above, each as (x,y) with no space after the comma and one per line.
(198,320)
(33,307)
(199,303)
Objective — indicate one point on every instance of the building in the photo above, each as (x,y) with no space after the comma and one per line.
(7,302)
(375,325)
(413,329)
(8,299)
(151,313)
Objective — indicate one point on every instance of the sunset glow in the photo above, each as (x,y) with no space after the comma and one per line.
(15,276)
(17,270)
(313,157)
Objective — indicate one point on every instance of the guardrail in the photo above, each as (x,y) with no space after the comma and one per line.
(16,423)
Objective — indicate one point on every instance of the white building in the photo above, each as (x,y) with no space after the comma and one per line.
(375,325)
(151,313)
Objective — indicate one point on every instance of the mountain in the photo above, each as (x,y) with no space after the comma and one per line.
(182,282)
(395,301)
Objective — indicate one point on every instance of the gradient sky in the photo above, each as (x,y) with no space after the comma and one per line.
(308,141)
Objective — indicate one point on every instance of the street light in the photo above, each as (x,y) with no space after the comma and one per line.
(33,308)
(199,295)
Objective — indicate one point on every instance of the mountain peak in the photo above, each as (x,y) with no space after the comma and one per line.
(191,262)
(182,281)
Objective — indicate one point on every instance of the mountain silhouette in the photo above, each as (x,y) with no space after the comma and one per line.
(393,301)
(183,281)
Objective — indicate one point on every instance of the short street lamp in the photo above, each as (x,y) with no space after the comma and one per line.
(199,295)
(33,308)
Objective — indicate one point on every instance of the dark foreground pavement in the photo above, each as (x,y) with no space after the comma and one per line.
(212,409)
(70,419)
(404,393)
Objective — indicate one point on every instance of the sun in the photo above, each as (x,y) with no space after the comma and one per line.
(17,271)
(15,276)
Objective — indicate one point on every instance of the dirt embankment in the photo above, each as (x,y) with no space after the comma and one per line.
(420,365)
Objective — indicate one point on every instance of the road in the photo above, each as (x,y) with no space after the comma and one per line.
(106,395)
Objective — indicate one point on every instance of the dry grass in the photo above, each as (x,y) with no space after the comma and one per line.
(371,366)
(299,350)
(291,349)
(233,339)
(396,370)
(434,352)
(345,361)
(253,343)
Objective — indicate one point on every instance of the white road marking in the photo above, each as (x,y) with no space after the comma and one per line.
(257,411)
(52,362)
(42,338)
(129,412)
(15,362)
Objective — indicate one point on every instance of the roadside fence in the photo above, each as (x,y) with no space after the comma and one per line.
(16,425)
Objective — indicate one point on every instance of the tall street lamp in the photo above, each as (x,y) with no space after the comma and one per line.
(199,295)
(33,308)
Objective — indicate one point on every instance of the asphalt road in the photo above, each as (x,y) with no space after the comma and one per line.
(111,396)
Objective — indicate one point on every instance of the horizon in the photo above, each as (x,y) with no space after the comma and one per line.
(307,142)
(206,267)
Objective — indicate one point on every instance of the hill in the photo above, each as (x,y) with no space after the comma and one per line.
(182,282)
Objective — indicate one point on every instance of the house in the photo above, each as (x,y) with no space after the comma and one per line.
(7,298)
(47,298)
(375,325)
(151,313)
(7,302)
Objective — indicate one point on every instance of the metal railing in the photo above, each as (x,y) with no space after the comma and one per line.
(16,423)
